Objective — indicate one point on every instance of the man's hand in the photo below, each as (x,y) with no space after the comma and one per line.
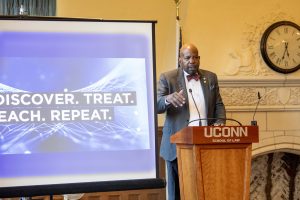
(176,99)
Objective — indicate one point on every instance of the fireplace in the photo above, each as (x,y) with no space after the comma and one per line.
(275,161)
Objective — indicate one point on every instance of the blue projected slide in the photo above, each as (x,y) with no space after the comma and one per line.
(87,110)
(75,103)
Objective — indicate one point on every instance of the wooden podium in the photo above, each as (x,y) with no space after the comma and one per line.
(214,162)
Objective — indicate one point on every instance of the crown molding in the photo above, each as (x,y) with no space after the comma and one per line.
(259,81)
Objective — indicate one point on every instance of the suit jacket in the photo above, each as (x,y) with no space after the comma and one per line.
(177,118)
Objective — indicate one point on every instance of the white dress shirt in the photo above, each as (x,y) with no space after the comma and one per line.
(199,99)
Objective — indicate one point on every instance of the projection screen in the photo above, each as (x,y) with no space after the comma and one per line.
(77,106)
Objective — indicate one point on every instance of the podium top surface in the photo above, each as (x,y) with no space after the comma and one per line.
(216,135)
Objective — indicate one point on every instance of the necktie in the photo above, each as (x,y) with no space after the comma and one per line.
(193,76)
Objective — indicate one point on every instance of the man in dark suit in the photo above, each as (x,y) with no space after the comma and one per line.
(186,94)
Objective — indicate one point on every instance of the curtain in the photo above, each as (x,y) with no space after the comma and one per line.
(31,7)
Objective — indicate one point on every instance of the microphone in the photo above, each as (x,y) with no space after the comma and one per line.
(191,92)
(254,122)
(200,119)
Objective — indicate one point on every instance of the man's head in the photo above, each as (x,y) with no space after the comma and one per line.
(189,59)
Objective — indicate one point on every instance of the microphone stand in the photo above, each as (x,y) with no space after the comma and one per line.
(191,92)
(254,122)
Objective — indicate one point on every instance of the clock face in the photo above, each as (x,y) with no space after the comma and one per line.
(280,47)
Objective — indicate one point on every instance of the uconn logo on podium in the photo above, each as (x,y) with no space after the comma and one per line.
(227,132)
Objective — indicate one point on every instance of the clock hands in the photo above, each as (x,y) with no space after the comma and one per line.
(287,51)
(286,44)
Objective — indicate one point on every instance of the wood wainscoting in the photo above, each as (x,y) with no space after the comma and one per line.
(147,194)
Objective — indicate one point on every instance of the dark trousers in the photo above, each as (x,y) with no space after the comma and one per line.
(173,180)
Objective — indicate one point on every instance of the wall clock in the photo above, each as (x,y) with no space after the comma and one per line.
(280,47)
